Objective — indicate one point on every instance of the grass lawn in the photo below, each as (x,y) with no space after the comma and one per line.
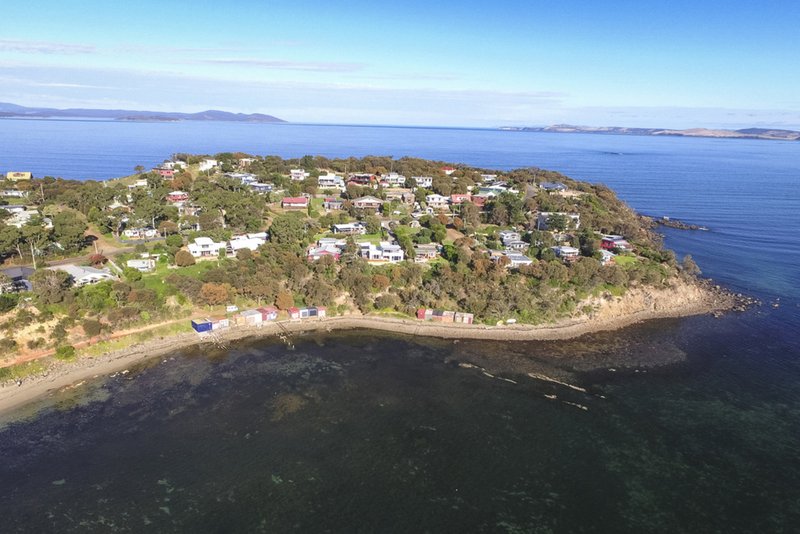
(624,261)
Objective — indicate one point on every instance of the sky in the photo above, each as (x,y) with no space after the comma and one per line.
(671,64)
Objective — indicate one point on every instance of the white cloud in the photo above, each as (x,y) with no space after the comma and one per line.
(282,64)
(44,47)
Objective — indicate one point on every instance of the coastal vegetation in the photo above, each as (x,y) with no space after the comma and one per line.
(528,246)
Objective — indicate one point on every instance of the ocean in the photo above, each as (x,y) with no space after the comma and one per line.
(686,425)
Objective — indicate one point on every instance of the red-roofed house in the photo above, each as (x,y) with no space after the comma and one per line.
(294,203)
(460,198)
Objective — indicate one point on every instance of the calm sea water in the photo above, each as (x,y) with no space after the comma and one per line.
(373,433)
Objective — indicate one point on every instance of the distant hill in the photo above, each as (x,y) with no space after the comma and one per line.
(14,111)
(746,133)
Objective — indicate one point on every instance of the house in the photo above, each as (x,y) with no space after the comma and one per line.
(399,194)
(361,179)
(517,260)
(298,175)
(448,170)
(248,241)
(317,253)
(615,242)
(268,313)
(606,257)
(384,252)
(245,177)
(543,217)
(82,276)
(460,198)
(368,203)
(356,228)
(307,313)
(393,179)
(331,203)
(141,182)
(13,209)
(331,181)
(140,233)
(144,265)
(165,173)
(425,253)
(17,176)
(423,181)
(205,247)
(245,162)
(516,244)
(294,203)
(566,253)
(20,217)
(13,193)
(488,178)
(552,187)
(479,200)
(207,164)
(177,196)
(19,279)
(260,188)
(508,235)
(437,202)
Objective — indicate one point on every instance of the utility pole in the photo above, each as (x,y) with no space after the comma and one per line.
(33,256)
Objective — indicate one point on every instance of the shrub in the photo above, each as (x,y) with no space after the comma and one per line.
(92,328)
(131,274)
(65,352)
(7,345)
(184,258)
(37,343)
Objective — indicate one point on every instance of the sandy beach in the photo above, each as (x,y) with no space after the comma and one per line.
(609,314)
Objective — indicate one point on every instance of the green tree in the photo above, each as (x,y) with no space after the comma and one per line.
(288,229)
(68,229)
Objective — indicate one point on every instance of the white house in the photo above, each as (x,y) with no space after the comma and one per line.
(331,181)
(566,253)
(355,228)
(298,175)
(13,193)
(437,202)
(248,241)
(385,252)
(204,247)
(207,164)
(144,265)
(508,235)
(394,179)
(517,260)
(82,276)
(423,181)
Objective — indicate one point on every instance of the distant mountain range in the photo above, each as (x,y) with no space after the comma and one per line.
(746,133)
(14,111)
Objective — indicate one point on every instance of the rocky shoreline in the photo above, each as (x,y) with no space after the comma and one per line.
(609,313)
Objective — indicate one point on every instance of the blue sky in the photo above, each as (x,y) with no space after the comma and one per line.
(661,64)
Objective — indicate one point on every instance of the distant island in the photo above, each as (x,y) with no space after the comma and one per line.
(745,133)
(13,111)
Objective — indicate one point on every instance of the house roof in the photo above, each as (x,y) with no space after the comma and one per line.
(295,200)
(18,272)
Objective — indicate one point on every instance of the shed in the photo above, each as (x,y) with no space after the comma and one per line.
(250,317)
(201,325)
(268,313)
